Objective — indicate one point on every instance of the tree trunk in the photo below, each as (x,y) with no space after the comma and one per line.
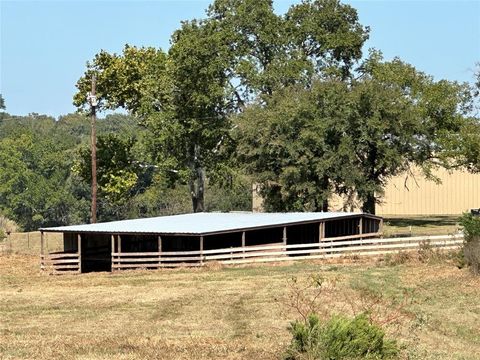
(197,183)
(325,188)
(369,204)
(325,205)
(373,177)
(197,190)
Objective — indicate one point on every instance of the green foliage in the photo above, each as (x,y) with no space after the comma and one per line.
(37,154)
(117,172)
(34,190)
(306,339)
(339,338)
(351,138)
(271,51)
(241,52)
(124,80)
(399,114)
(2,103)
(180,100)
(297,152)
(471,247)
(471,226)
(463,149)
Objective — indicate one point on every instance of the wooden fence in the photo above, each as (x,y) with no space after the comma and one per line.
(63,262)
(330,248)
(30,243)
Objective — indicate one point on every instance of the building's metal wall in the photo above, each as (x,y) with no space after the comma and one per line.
(457,192)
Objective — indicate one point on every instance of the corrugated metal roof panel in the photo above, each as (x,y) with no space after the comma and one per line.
(200,223)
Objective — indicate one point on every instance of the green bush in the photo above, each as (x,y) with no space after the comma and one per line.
(306,339)
(339,338)
(471,226)
(471,246)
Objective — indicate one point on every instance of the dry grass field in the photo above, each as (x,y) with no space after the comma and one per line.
(223,313)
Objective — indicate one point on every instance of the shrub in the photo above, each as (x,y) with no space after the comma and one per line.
(471,246)
(306,339)
(340,338)
(7,225)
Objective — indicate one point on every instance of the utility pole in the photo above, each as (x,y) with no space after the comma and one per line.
(92,99)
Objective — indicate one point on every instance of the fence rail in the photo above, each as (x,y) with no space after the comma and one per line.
(328,248)
(61,263)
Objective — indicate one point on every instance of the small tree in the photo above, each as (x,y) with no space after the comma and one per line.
(471,247)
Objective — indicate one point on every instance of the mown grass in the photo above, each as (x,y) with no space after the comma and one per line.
(219,313)
(420,225)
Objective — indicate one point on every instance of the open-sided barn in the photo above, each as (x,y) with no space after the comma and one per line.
(193,239)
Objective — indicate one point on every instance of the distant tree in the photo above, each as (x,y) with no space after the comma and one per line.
(270,51)
(298,152)
(185,110)
(34,176)
(116,167)
(402,118)
(462,149)
(242,52)
(344,138)
(476,85)
(2,103)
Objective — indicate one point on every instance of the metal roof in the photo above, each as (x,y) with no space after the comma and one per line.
(201,223)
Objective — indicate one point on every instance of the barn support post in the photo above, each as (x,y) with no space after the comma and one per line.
(360,229)
(42,251)
(119,251)
(79,246)
(112,238)
(159,250)
(243,243)
(201,250)
(284,239)
(321,233)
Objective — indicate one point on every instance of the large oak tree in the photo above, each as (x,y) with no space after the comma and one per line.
(243,52)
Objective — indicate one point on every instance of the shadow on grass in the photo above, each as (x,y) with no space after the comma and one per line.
(423,222)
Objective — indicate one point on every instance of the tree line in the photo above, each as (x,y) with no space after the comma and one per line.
(45,178)
(287,101)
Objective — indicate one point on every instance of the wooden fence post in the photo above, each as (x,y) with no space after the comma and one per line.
(360,229)
(112,238)
(243,244)
(159,250)
(321,233)
(79,244)
(119,251)
(42,252)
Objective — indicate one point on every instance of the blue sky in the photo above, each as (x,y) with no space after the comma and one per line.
(45,44)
